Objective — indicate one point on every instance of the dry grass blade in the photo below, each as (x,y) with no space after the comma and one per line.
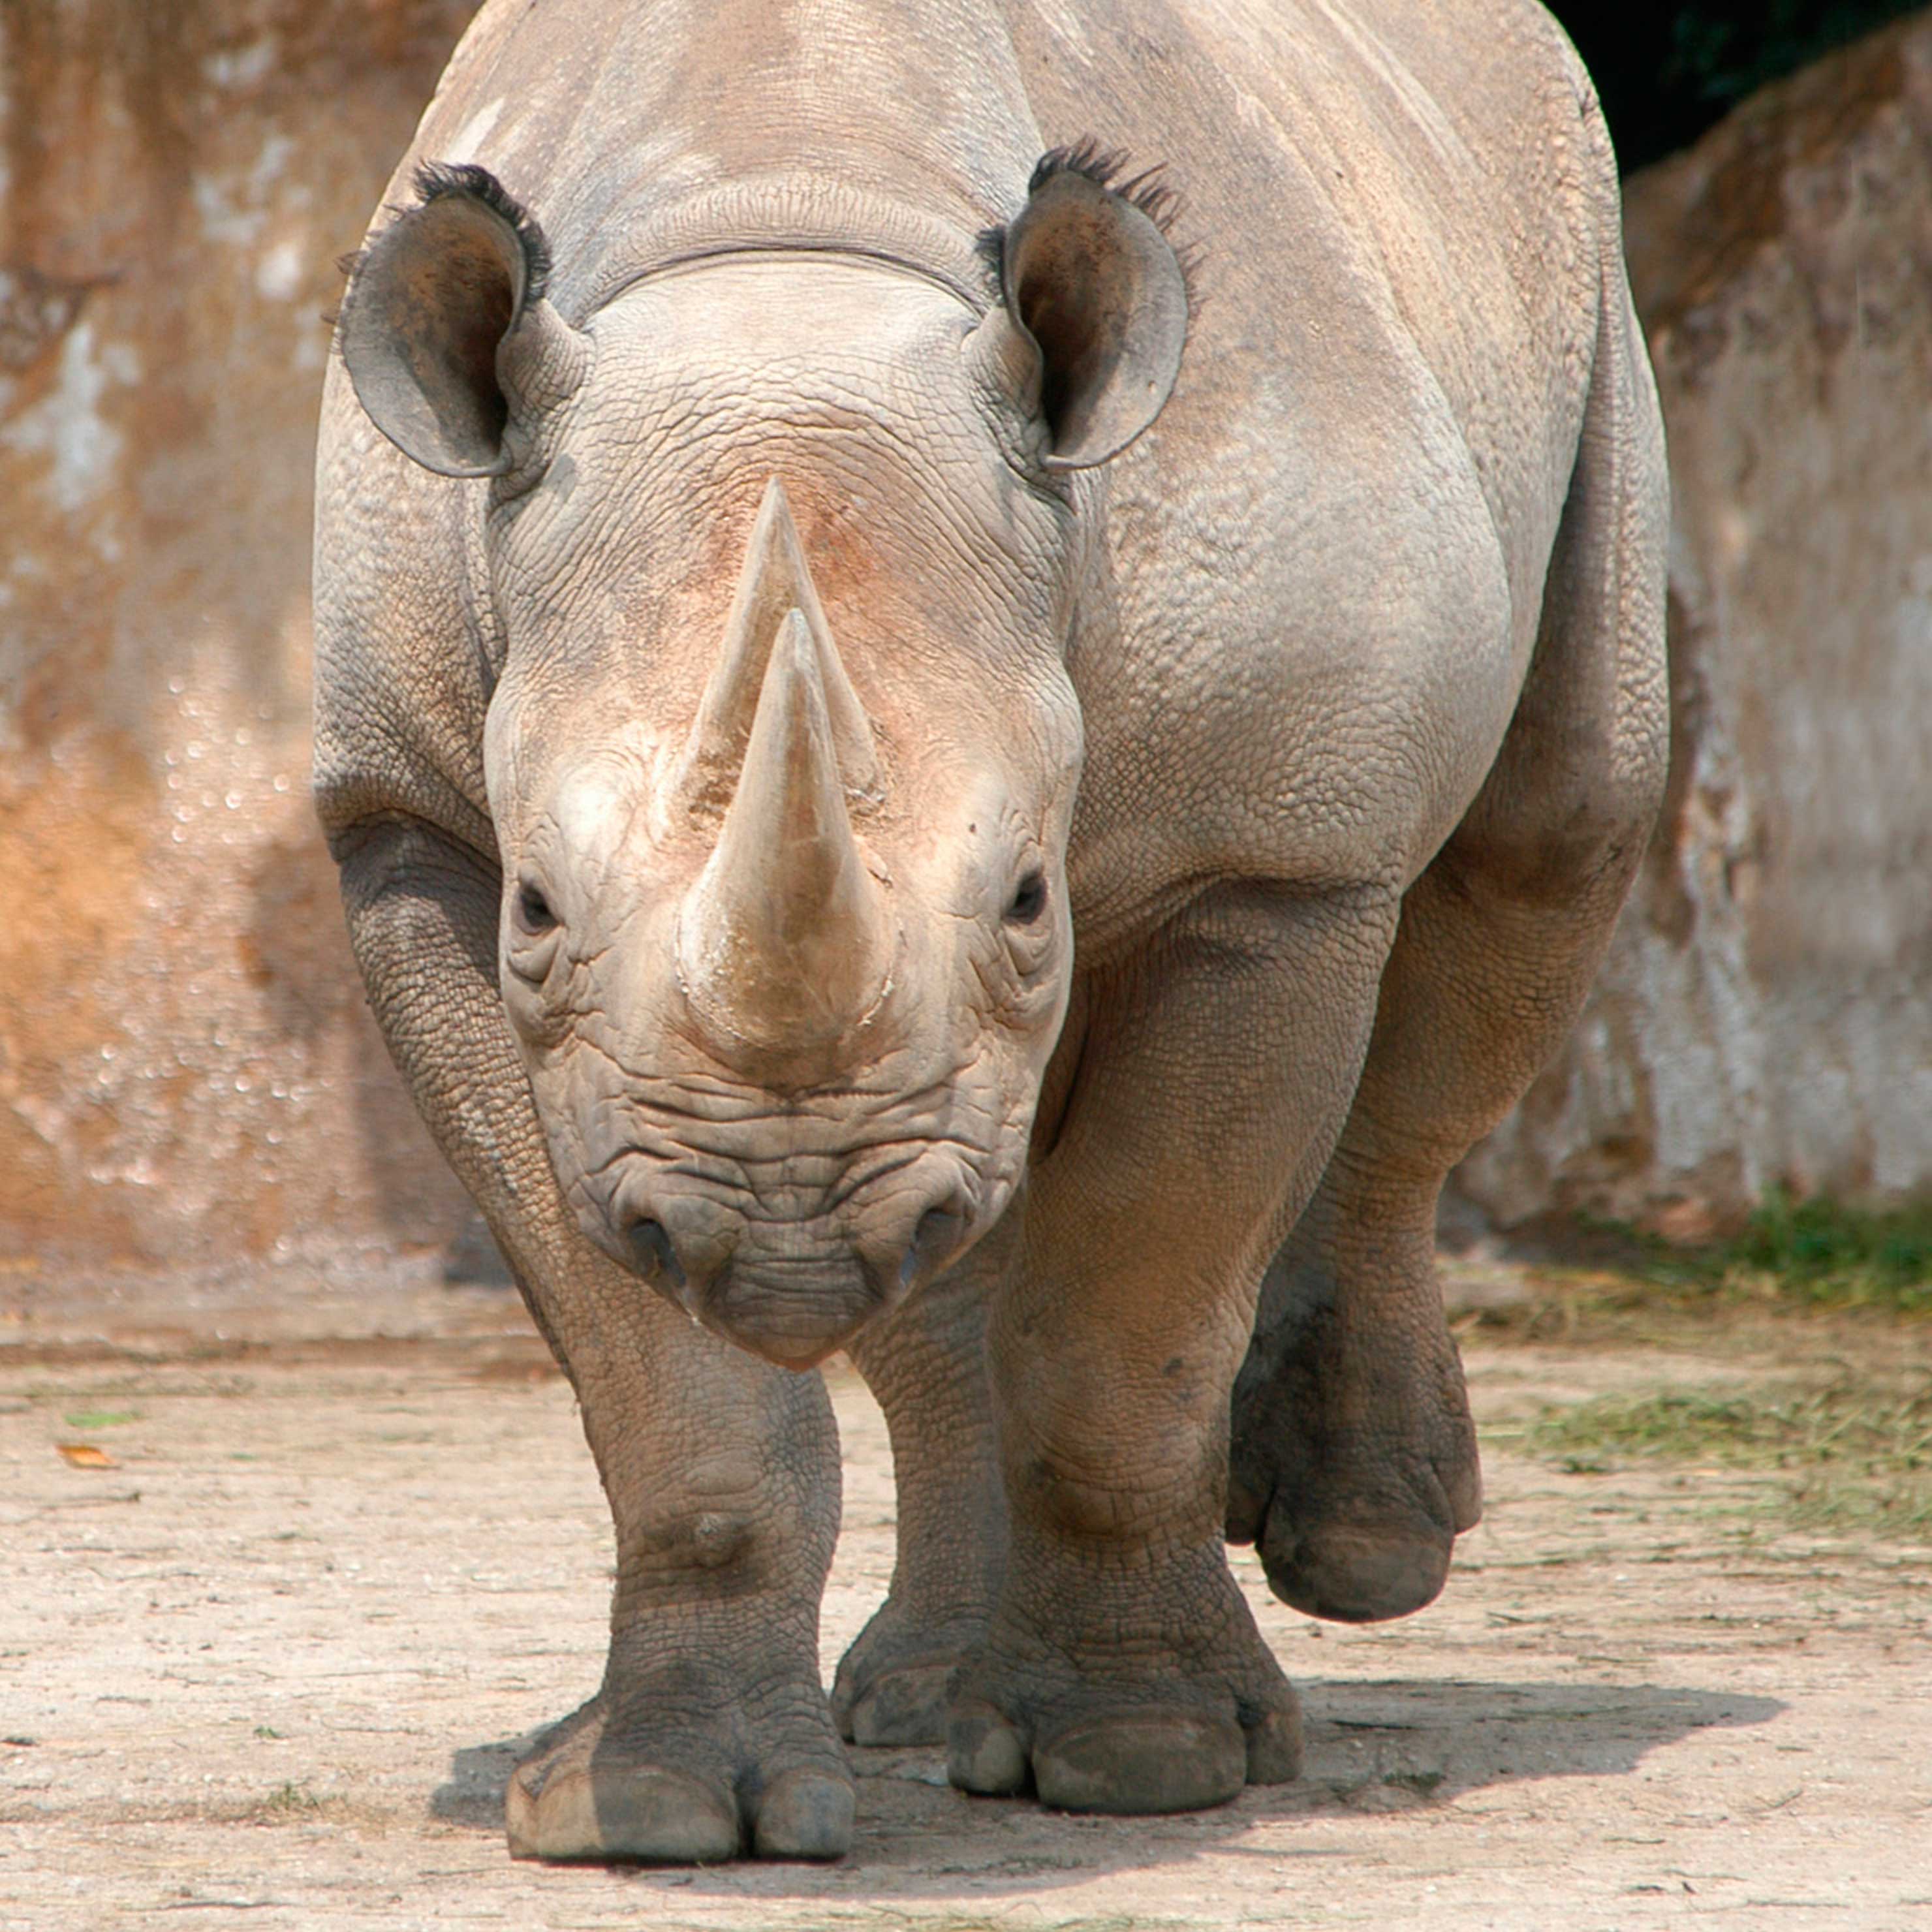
(1850,1452)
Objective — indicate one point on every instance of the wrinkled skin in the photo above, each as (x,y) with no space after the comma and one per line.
(852,843)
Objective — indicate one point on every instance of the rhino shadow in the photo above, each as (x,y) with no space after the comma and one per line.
(1373,1748)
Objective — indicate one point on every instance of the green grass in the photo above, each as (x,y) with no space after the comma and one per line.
(290,1800)
(1818,1252)
(1849,1454)
(1606,1279)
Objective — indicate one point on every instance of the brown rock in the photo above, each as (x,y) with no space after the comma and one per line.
(1766,1011)
(187,1075)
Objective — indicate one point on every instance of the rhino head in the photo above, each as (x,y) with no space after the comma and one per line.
(784,554)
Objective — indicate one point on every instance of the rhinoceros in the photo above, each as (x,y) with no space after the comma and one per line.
(988,673)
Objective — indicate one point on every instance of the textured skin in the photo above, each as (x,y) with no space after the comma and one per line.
(1362,644)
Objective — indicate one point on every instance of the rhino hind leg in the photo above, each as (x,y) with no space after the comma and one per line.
(1353,1459)
(926,1366)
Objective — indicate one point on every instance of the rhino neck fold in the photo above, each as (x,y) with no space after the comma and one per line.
(900,128)
(788,217)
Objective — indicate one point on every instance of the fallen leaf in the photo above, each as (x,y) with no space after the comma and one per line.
(85,1456)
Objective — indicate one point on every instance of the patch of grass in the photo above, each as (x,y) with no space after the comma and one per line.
(1591,1278)
(101,1418)
(1851,1454)
(160,1382)
(1423,1783)
(290,1800)
(1818,1252)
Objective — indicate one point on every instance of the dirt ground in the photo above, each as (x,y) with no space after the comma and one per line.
(268,1664)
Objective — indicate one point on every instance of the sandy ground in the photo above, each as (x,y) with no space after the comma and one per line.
(270,1669)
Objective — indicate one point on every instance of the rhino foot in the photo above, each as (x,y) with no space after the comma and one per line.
(1353,1474)
(1188,1733)
(647,1790)
(1350,1573)
(892,1684)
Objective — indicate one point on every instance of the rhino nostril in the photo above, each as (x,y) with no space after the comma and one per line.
(652,1246)
(937,1235)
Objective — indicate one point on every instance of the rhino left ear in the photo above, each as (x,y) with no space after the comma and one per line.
(1090,277)
(445,329)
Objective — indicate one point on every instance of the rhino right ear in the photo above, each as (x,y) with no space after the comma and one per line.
(444,330)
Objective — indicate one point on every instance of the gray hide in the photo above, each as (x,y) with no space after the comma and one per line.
(855,839)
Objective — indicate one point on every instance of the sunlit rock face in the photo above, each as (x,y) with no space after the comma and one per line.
(187,1075)
(1765,1014)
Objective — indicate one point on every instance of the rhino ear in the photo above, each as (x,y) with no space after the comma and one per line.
(444,313)
(1088,273)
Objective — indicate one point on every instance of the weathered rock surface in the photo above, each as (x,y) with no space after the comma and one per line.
(1765,1014)
(186,1074)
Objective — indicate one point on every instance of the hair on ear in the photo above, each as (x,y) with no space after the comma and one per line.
(435,179)
(989,247)
(346,266)
(1148,190)
(1107,168)
(432,180)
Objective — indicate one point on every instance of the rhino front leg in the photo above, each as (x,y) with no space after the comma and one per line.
(926,1364)
(1122,1671)
(710,1734)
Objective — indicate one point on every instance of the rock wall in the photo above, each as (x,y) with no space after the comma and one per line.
(1765,1014)
(187,1073)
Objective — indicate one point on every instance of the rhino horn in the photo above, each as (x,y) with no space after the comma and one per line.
(775,580)
(785,939)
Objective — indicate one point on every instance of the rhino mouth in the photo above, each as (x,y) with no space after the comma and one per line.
(793,1315)
(794,1285)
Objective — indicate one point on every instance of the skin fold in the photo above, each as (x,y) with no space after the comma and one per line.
(966,761)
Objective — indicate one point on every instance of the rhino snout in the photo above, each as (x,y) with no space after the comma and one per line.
(792,1290)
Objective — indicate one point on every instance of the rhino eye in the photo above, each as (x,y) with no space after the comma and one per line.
(1029,900)
(531,914)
